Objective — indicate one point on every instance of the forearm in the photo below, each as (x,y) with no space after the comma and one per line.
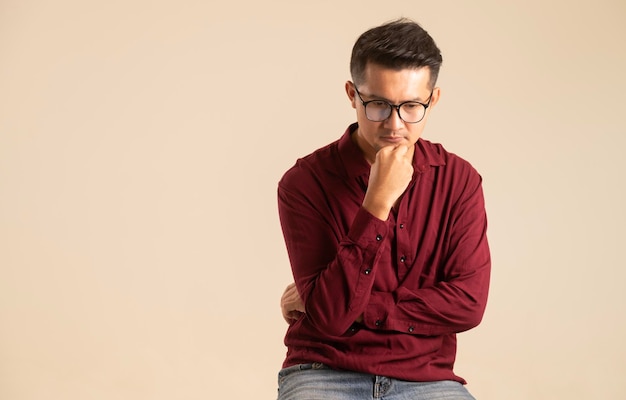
(334,271)
(443,309)
(452,296)
(337,295)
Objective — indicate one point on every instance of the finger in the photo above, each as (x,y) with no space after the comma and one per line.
(295,315)
(291,316)
(401,149)
(383,151)
(290,296)
(290,287)
(406,152)
(293,304)
(289,290)
(410,150)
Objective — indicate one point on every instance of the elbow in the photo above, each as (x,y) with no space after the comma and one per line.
(473,321)
(473,307)
(330,328)
(329,324)
(472,317)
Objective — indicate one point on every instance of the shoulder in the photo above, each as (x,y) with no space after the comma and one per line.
(451,173)
(315,167)
(451,162)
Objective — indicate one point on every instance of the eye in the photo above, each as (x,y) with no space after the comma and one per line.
(411,106)
(378,104)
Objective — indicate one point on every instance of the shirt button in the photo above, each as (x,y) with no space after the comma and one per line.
(401,226)
(402,259)
(379,237)
(367,271)
(411,329)
(378,322)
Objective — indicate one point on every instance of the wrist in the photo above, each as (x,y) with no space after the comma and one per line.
(378,209)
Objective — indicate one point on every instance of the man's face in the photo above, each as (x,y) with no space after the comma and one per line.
(395,87)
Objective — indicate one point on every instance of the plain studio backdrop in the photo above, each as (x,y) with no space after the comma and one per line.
(141,143)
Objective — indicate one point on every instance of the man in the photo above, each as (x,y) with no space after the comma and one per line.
(386,235)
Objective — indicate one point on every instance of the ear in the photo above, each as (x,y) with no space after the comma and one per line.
(351,93)
(435,97)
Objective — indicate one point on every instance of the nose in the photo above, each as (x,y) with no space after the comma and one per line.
(394,122)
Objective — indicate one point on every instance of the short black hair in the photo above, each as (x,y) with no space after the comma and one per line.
(398,44)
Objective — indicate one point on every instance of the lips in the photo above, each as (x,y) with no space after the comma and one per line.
(392,139)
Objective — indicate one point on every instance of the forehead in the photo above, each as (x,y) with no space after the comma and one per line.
(396,84)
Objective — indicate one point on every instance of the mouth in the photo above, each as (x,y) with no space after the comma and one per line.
(392,139)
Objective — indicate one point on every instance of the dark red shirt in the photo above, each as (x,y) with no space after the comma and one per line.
(418,278)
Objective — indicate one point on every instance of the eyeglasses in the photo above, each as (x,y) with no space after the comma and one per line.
(410,112)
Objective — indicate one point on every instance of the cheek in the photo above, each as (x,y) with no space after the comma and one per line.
(370,130)
(416,132)
(368,134)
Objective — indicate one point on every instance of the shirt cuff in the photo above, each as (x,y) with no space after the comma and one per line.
(367,230)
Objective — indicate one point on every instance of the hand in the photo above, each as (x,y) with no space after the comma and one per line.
(390,175)
(291,304)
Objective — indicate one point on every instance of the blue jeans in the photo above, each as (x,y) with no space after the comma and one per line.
(318,382)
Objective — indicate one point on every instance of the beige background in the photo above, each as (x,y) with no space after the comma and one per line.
(141,143)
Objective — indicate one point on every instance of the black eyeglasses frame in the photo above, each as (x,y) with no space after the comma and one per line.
(396,106)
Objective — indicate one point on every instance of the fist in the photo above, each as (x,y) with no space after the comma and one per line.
(390,175)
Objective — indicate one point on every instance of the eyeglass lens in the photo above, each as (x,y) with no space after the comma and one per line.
(380,111)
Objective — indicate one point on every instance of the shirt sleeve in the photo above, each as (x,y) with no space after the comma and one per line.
(457,301)
(334,274)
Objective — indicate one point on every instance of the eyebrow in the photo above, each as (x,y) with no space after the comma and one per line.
(376,97)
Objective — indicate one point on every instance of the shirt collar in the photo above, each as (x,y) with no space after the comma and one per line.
(356,165)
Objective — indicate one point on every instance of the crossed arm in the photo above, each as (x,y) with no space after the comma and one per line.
(340,293)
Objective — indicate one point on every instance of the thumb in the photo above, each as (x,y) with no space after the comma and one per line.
(408,152)
(402,150)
